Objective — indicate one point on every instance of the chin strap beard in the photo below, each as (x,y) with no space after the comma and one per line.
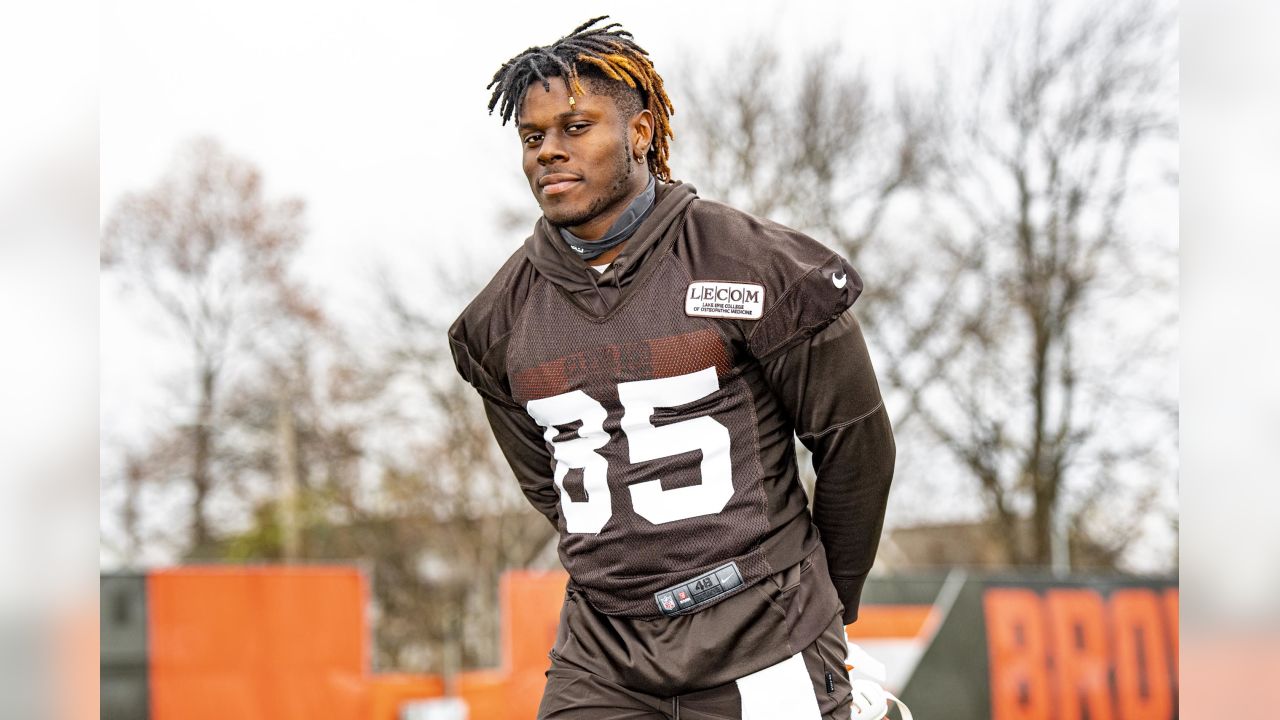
(621,229)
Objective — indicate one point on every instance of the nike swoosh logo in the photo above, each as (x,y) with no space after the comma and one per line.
(839,281)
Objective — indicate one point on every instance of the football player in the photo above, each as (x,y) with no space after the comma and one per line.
(646,359)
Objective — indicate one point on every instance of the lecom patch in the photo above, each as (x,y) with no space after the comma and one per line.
(713,298)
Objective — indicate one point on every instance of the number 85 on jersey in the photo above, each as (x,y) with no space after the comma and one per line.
(639,398)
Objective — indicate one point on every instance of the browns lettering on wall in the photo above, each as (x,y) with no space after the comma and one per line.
(1067,653)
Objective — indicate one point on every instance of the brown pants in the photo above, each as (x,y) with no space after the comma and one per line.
(812,684)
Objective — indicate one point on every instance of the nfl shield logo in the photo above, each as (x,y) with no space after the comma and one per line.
(668,603)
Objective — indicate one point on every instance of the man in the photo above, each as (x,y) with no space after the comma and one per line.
(645,360)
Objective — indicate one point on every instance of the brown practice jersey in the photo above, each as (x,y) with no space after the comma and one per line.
(650,412)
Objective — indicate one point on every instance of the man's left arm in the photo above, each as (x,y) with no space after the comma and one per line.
(828,387)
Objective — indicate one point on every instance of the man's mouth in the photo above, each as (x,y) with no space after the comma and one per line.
(557,183)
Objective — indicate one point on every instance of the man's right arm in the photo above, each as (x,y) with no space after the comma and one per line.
(476,335)
(472,337)
(521,442)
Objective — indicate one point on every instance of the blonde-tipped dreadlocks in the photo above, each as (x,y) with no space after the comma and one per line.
(606,54)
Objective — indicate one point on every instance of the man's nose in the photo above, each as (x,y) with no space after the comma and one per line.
(552,150)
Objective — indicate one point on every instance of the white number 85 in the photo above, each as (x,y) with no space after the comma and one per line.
(647,442)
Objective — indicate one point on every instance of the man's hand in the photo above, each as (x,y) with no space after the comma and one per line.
(870,701)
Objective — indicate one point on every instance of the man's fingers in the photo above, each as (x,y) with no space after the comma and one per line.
(869,702)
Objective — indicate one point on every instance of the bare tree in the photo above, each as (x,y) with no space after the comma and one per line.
(472,522)
(157,462)
(1025,367)
(995,216)
(809,147)
(212,252)
(803,140)
(299,429)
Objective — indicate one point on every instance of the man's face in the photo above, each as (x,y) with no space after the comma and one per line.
(579,160)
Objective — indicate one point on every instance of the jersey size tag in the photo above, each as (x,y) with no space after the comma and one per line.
(678,598)
(713,298)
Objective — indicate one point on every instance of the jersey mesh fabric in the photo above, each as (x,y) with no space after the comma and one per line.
(556,348)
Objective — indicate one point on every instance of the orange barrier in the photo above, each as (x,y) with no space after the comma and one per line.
(489,694)
(889,621)
(268,643)
(285,643)
(292,643)
(388,691)
(530,606)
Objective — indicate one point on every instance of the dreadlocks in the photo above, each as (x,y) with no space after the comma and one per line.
(606,55)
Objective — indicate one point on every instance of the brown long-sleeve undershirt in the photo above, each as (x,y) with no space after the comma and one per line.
(828,387)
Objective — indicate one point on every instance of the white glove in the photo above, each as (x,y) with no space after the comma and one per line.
(870,701)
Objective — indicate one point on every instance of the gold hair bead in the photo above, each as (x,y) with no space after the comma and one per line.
(572,103)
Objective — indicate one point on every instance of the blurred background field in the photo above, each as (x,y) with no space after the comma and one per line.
(205,642)
(296,201)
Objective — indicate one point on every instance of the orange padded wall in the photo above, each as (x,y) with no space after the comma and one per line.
(531,603)
(270,643)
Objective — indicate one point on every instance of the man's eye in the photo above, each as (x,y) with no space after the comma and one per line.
(532,139)
(576,127)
